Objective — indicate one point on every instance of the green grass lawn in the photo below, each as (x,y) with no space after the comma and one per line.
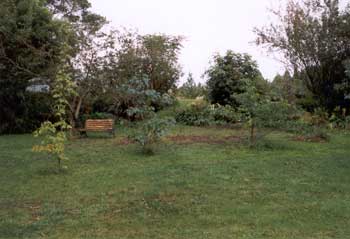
(286,189)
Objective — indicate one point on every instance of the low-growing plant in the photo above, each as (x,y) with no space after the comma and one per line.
(151,133)
(339,119)
(307,131)
(206,115)
(316,133)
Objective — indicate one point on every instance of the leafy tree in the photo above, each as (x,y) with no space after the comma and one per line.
(284,86)
(73,10)
(190,89)
(90,46)
(225,77)
(344,86)
(137,97)
(32,46)
(314,37)
(134,98)
(87,68)
(132,61)
(261,111)
(160,61)
(53,134)
(289,87)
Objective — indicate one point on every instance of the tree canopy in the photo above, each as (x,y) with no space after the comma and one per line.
(225,76)
(32,46)
(314,38)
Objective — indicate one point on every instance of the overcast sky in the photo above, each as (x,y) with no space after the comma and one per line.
(209,26)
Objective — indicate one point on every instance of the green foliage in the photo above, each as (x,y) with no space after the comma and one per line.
(98,115)
(339,119)
(134,98)
(138,99)
(313,36)
(32,46)
(154,57)
(152,132)
(54,134)
(226,74)
(73,10)
(261,112)
(160,61)
(191,90)
(205,115)
(289,88)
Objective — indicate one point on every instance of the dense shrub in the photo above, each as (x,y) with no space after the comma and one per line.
(225,77)
(307,131)
(163,101)
(191,90)
(103,104)
(339,121)
(151,133)
(205,115)
(97,115)
(32,110)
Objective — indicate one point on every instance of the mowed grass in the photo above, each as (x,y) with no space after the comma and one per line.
(285,189)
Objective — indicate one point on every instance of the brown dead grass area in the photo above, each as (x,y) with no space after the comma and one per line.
(310,139)
(193,139)
(124,141)
(32,207)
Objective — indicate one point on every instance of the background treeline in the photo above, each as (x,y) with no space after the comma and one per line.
(38,38)
(116,72)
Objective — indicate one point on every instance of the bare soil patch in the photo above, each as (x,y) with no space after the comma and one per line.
(192,139)
(315,139)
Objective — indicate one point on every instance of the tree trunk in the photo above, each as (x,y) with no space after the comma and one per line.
(59,163)
(252,134)
(77,109)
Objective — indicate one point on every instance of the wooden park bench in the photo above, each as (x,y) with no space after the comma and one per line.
(98,125)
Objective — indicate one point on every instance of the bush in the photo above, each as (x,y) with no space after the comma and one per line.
(163,101)
(27,115)
(225,77)
(205,115)
(307,131)
(339,120)
(151,133)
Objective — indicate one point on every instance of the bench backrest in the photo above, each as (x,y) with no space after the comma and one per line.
(99,125)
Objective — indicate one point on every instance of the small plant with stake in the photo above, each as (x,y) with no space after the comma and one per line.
(261,112)
(54,134)
(152,132)
(153,128)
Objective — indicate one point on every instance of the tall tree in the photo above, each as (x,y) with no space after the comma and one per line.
(190,89)
(225,77)
(32,46)
(154,57)
(160,60)
(286,86)
(73,10)
(314,37)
